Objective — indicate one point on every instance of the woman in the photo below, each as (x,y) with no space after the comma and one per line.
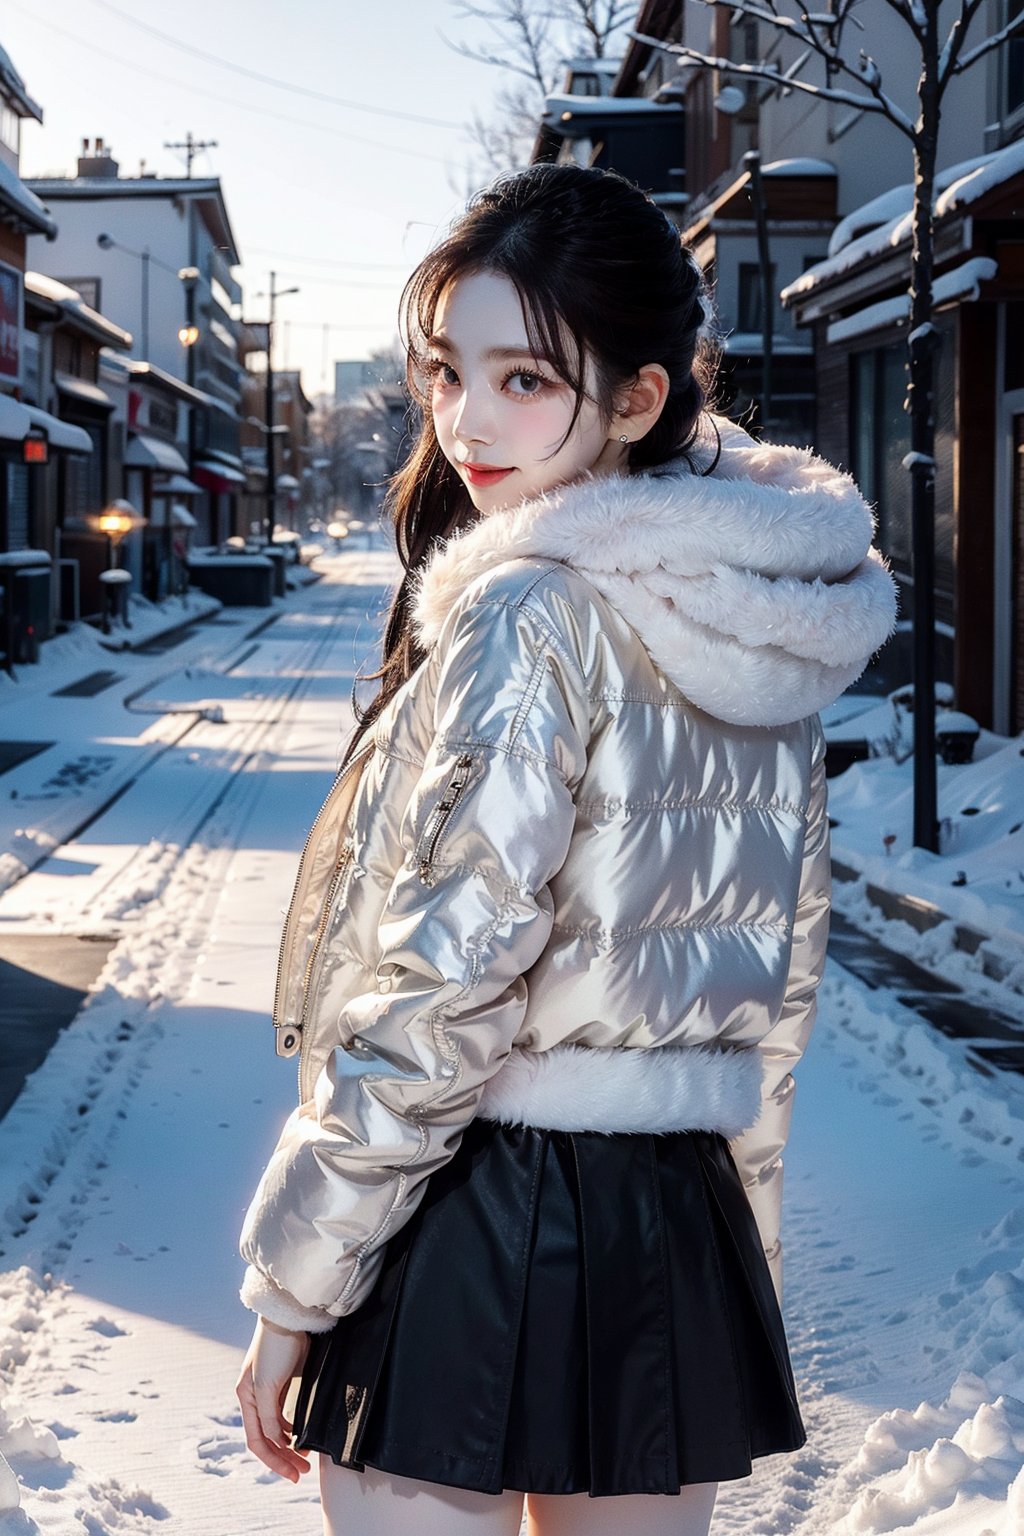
(557,931)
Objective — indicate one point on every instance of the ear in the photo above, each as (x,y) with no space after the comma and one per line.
(640,406)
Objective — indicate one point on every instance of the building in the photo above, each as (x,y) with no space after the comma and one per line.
(834,194)
(158,254)
(290,447)
(856,306)
(65,342)
(353,378)
(55,451)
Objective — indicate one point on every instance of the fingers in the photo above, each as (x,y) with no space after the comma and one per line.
(267,1434)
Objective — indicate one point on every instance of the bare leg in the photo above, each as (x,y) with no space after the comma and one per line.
(628,1514)
(374,1503)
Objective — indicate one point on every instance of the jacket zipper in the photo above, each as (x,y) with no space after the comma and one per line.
(343,868)
(288,1037)
(442,814)
(321,928)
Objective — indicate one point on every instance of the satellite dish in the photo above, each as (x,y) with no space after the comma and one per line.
(730,99)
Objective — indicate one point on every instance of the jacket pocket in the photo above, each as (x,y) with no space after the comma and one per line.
(428,845)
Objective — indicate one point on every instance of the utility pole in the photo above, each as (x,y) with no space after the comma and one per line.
(273,294)
(192,147)
(752,161)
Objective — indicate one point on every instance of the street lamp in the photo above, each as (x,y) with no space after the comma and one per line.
(108,243)
(116,521)
(273,294)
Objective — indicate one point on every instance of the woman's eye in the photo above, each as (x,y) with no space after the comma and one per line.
(436,368)
(534,382)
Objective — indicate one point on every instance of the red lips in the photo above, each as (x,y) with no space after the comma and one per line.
(484,474)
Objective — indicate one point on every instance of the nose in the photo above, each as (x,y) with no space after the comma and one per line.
(474,419)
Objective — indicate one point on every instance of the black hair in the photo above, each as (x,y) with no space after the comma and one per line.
(601,271)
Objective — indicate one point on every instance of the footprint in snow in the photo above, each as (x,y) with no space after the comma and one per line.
(107,1327)
(222,1454)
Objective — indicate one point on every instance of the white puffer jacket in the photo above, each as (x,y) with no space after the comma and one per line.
(579,877)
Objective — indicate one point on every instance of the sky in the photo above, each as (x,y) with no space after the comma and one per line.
(339,200)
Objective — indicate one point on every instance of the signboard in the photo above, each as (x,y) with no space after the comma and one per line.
(35,450)
(12,296)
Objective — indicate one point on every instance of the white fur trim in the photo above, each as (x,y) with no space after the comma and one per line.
(756,590)
(261,1295)
(625,1089)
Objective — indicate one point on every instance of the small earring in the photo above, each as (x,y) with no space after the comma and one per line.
(624,438)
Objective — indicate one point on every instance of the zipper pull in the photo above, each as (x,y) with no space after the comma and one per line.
(442,812)
(287,1039)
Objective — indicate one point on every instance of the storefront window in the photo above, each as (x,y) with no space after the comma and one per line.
(879,440)
(1013,55)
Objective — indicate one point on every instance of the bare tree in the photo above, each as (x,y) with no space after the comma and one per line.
(860,85)
(530,41)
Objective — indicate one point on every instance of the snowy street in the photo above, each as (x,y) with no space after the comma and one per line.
(130,1154)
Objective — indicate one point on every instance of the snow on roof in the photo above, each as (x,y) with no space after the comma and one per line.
(883,209)
(980,176)
(582,63)
(887,219)
(799,166)
(741,342)
(14,87)
(602,106)
(24,202)
(962,283)
(75,307)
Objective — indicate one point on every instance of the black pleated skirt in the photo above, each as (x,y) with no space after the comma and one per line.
(565,1312)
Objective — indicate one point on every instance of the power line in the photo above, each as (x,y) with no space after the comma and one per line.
(342,282)
(327,261)
(331,325)
(51,27)
(281,85)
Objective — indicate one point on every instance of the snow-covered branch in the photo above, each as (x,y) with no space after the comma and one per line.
(950,64)
(876,102)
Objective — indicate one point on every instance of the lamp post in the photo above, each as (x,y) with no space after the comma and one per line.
(116,520)
(752,161)
(108,243)
(273,295)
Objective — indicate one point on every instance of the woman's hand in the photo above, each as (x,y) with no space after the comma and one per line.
(274,1357)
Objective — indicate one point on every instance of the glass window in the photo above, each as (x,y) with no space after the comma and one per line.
(10,127)
(84,476)
(1013,54)
(750,295)
(17,506)
(894,425)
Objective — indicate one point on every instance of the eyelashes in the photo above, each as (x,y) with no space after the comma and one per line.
(433,369)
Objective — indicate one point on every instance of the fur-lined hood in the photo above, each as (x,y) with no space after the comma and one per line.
(755,589)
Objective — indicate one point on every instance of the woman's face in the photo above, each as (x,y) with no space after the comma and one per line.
(496,404)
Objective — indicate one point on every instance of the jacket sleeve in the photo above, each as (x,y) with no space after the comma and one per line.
(469,911)
(758,1151)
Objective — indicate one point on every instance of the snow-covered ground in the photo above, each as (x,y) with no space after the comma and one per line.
(131,1153)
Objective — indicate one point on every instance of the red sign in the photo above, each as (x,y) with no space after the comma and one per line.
(10,323)
(35,450)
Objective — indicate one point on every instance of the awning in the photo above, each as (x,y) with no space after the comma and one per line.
(177,485)
(181,517)
(146,452)
(82,389)
(30,213)
(60,433)
(221,459)
(207,470)
(17,421)
(287,483)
